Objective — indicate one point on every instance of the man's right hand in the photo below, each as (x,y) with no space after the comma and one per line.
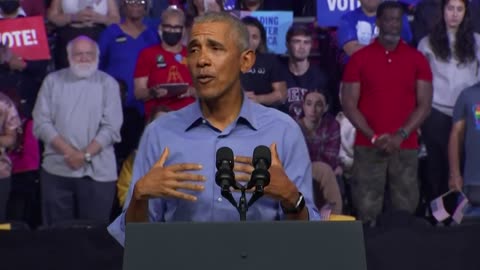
(382,141)
(164,182)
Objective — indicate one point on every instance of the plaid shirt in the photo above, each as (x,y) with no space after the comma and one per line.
(324,143)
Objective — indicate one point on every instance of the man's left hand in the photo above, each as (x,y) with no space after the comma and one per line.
(281,188)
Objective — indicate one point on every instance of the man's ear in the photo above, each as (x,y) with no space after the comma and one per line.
(247,60)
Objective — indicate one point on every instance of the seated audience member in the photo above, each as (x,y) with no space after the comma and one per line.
(174,171)
(78,116)
(10,122)
(321,130)
(120,45)
(24,201)
(74,18)
(453,52)
(265,82)
(164,63)
(125,176)
(358,28)
(301,76)
(132,127)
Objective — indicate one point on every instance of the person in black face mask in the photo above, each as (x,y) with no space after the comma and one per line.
(163,64)
(9,8)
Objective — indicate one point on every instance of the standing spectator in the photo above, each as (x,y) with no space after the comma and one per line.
(78,116)
(386,94)
(33,7)
(358,28)
(465,135)
(24,201)
(321,130)
(164,63)
(453,50)
(301,76)
(79,17)
(265,82)
(428,13)
(121,43)
(9,123)
(21,74)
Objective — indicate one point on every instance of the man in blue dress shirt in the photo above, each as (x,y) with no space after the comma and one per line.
(174,171)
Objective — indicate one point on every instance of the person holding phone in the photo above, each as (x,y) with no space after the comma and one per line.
(163,64)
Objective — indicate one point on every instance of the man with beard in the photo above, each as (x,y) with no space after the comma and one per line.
(78,115)
(386,94)
(301,76)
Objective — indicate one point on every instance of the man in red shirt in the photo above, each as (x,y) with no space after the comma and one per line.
(162,64)
(386,94)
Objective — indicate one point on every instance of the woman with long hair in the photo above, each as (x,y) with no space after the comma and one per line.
(452,50)
(265,82)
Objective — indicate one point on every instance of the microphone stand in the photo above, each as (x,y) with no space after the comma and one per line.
(242,205)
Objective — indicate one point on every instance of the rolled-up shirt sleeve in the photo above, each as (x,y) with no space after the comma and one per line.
(112,118)
(43,126)
(296,162)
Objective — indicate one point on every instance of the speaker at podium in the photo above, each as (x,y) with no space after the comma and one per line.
(275,245)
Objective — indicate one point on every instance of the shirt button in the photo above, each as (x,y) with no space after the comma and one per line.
(219,199)
(204,121)
(386,52)
(389,60)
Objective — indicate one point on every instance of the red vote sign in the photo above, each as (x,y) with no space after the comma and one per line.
(26,37)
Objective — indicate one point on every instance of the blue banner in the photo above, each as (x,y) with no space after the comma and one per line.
(276,25)
(329,12)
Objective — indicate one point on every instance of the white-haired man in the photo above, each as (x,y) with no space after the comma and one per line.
(78,116)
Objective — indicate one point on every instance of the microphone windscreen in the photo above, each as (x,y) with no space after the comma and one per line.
(262,152)
(224,154)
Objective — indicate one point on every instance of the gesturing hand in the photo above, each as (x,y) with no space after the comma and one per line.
(164,182)
(280,188)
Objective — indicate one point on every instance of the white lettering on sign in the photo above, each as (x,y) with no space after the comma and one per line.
(343,5)
(19,38)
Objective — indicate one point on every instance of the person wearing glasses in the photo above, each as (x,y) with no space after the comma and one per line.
(120,45)
(163,64)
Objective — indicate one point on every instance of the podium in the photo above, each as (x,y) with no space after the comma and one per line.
(276,245)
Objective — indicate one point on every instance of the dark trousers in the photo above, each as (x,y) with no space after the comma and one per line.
(5,185)
(24,201)
(435,134)
(65,199)
(375,173)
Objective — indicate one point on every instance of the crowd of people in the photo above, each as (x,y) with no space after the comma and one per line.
(133,105)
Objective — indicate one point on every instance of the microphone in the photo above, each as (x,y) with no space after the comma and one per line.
(224,162)
(262,159)
(224,176)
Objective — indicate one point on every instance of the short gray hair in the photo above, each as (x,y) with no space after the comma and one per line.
(239,29)
(71,42)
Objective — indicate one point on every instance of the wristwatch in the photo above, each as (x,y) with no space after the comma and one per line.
(88,157)
(299,205)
